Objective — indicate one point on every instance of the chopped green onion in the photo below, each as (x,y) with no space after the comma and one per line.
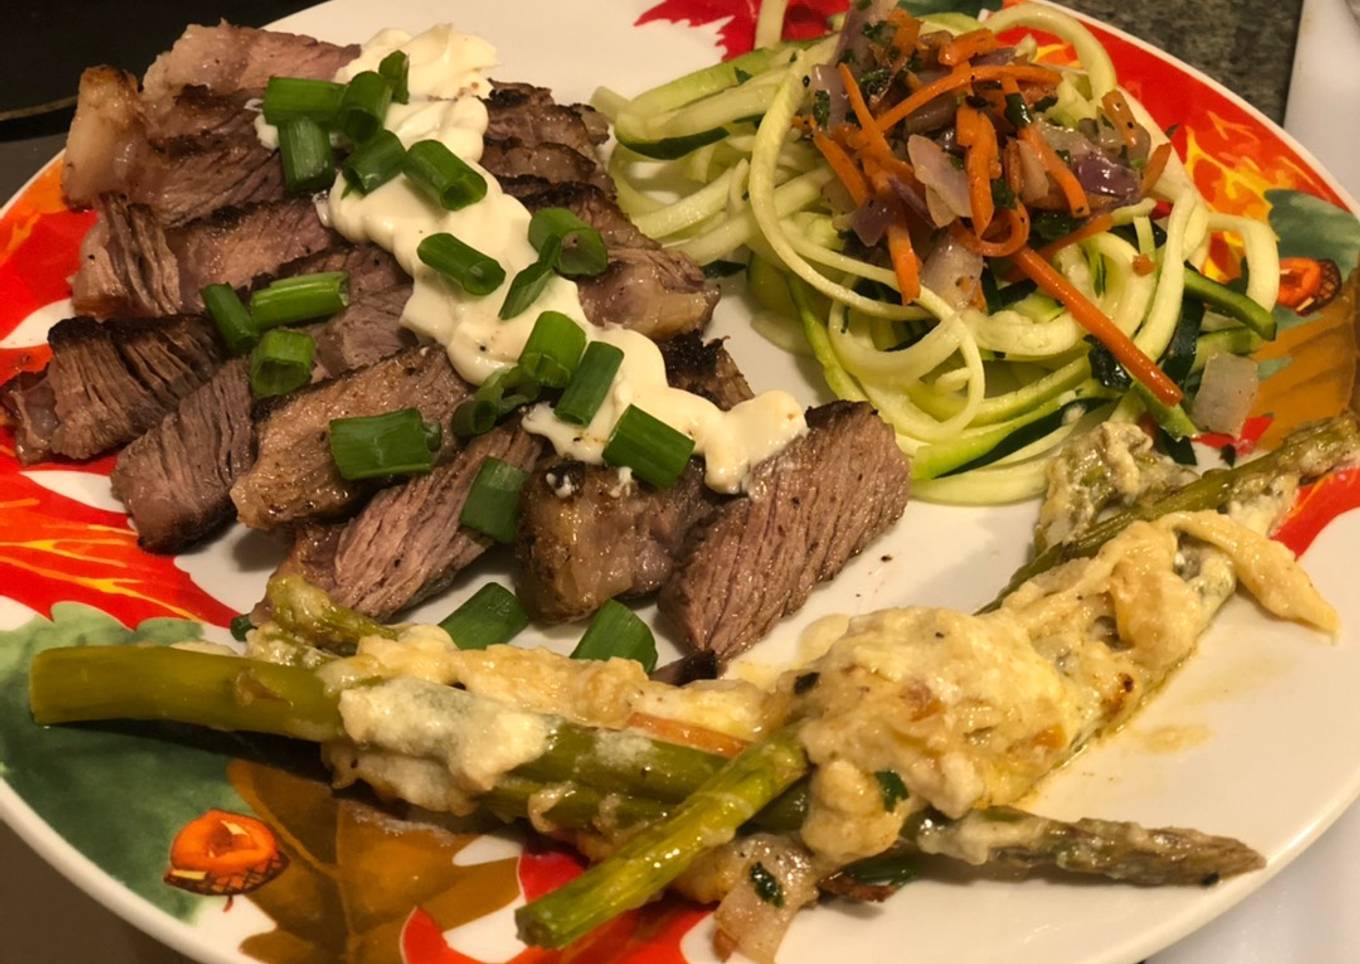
(491,616)
(529,283)
(497,397)
(375,162)
(396,68)
(363,108)
(444,175)
(231,316)
(305,149)
(281,362)
(291,98)
(583,251)
(492,506)
(654,451)
(476,273)
(588,387)
(241,625)
(553,350)
(616,631)
(395,443)
(306,296)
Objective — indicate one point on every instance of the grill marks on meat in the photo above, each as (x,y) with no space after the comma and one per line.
(808,511)
(133,264)
(584,537)
(294,478)
(107,383)
(175,479)
(111,149)
(406,544)
(529,115)
(654,290)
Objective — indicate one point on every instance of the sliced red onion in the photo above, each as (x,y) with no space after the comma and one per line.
(940,212)
(952,272)
(1100,175)
(826,77)
(936,170)
(1035,178)
(998,57)
(1062,139)
(934,115)
(870,221)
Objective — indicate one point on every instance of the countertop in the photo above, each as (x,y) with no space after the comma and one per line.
(1247,45)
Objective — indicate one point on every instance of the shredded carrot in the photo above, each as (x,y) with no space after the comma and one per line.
(1121,115)
(968,45)
(962,76)
(686,734)
(982,163)
(875,141)
(1155,165)
(1077,201)
(1097,225)
(1018,224)
(843,165)
(904,263)
(1128,354)
(1010,163)
(1143,265)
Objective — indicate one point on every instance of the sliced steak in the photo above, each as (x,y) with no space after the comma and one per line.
(108,383)
(226,59)
(294,478)
(406,544)
(111,150)
(199,110)
(530,116)
(657,291)
(174,480)
(586,537)
(369,330)
(807,512)
(553,163)
(133,264)
(370,269)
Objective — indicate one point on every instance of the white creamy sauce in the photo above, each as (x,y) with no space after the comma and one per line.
(447,72)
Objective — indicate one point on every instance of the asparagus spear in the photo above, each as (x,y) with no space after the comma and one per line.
(1311,451)
(87,683)
(647,863)
(307,611)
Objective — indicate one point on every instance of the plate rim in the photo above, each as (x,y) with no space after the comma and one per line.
(185,937)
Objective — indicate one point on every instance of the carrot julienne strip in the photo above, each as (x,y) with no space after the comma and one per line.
(1077,202)
(1128,354)
(968,45)
(962,76)
(1018,225)
(843,165)
(1097,225)
(978,137)
(875,141)
(1118,111)
(1155,165)
(904,263)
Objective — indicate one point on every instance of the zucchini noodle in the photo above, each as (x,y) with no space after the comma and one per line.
(714,165)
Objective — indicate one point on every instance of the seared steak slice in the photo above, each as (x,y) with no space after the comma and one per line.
(553,163)
(807,512)
(226,59)
(370,269)
(529,115)
(294,478)
(107,383)
(657,291)
(110,149)
(174,480)
(199,110)
(369,330)
(133,264)
(585,536)
(406,544)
